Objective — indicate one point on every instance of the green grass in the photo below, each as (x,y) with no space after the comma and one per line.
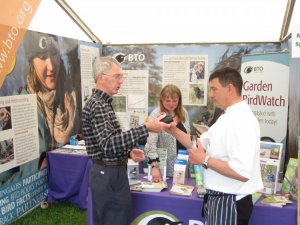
(55,214)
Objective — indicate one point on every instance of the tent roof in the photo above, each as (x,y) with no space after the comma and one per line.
(170,21)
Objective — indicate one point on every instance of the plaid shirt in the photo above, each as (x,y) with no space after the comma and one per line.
(103,136)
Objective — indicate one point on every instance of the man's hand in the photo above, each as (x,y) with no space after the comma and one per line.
(172,129)
(154,125)
(137,155)
(197,155)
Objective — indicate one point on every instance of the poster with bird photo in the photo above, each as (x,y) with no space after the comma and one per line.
(196,94)
(270,156)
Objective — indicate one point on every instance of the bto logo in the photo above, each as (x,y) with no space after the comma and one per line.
(156,218)
(136,57)
(159,217)
(254,69)
(248,69)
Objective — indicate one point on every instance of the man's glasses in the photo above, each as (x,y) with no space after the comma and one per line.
(117,76)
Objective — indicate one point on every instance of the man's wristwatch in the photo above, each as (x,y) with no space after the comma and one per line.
(204,164)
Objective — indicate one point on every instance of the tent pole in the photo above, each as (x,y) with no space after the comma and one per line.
(287,19)
(78,21)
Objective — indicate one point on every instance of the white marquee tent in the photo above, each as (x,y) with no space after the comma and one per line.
(168,21)
(126,22)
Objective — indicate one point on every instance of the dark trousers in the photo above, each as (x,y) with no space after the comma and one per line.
(223,209)
(244,209)
(111,199)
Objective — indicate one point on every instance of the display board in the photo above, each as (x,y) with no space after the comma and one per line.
(41,103)
(266,89)
(175,64)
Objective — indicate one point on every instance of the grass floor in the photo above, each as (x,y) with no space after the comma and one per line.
(55,214)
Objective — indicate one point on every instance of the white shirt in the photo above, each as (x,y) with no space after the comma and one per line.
(235,138)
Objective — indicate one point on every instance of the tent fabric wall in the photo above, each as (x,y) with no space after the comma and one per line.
(294,110)
(140,22)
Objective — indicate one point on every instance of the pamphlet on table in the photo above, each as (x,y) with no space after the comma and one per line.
(182,189)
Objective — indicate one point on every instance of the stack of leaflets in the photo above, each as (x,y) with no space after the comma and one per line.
(179,171)
(133,182)
(132,169)
(182,189)
(146,186)
(183,154)
(270,157)
(71,149)
(276,200)
(153,187)
(136,186)
(290,181)
(180,166)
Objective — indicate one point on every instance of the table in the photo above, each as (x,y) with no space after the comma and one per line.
(147,205)
(270,215)
(68,181)
(180,208)
(68,178)
(188,209)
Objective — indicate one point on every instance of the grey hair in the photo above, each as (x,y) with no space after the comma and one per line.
(101,65)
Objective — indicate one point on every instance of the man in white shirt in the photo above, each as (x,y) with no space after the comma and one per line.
(229,151)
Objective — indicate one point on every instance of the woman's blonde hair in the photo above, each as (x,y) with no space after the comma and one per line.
(172,91)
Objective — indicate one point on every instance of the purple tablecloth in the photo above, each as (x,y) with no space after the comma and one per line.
(188,209)
(183,208)
(68,181)
(271,215)
(68,178)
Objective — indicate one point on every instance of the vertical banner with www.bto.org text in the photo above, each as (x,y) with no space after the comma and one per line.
(15,17)
(266,88)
